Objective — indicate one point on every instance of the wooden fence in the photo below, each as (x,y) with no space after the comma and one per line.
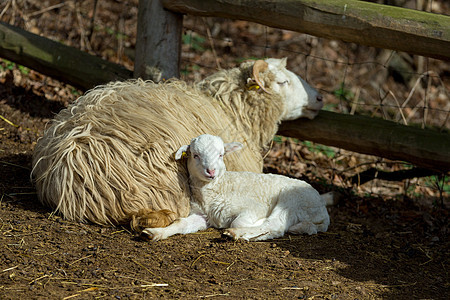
(360,22)
(158,49)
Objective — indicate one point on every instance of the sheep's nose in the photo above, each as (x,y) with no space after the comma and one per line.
(319,98)
(211,172)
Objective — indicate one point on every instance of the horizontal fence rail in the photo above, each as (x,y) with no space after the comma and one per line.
(57,60)
(360,22)
(422,147)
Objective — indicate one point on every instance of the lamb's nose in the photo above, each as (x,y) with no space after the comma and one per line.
(319,98)
(211,172)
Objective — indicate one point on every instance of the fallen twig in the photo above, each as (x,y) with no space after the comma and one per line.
(197,260)
(80,259)
(34,280)
(9,269)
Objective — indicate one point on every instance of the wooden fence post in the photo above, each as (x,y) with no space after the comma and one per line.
(158,42)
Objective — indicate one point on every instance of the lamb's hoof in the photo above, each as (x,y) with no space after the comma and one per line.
(229,233)
(152,234)
(146,234)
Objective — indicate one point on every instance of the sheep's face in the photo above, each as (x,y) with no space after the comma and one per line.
(205,156)
(301,100)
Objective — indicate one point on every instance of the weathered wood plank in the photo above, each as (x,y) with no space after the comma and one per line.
(422,147)
(158,42)
(59,61)
(365,23)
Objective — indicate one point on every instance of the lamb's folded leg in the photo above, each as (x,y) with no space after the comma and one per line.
(303,227)
(247,219)
(272,227)
(190,224)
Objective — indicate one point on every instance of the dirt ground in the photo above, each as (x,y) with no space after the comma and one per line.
(374,249)
(377,247)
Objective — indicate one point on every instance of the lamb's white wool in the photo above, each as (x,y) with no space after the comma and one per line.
(252,206)
(105,159)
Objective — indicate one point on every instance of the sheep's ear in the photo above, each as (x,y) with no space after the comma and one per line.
(255,82)
(182,152)
(231,147)
(283,62)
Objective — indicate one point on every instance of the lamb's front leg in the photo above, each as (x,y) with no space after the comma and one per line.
(190,224)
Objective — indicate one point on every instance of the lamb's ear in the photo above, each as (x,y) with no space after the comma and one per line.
(231,147)
(182,152)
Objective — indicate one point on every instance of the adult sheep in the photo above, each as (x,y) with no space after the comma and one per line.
(108,157)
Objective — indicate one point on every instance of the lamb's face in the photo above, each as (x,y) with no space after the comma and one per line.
(205,160)
(301,100)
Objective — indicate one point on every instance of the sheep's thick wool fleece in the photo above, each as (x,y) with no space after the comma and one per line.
(110,153)
(261,192)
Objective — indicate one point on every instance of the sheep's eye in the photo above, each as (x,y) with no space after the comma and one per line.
(196,156)
(221,155)
(283,82)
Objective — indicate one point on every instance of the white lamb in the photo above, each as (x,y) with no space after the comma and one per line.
(252,206)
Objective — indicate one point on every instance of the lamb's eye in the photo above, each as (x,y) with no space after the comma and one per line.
(221,155)
(283,82)
(196,156)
